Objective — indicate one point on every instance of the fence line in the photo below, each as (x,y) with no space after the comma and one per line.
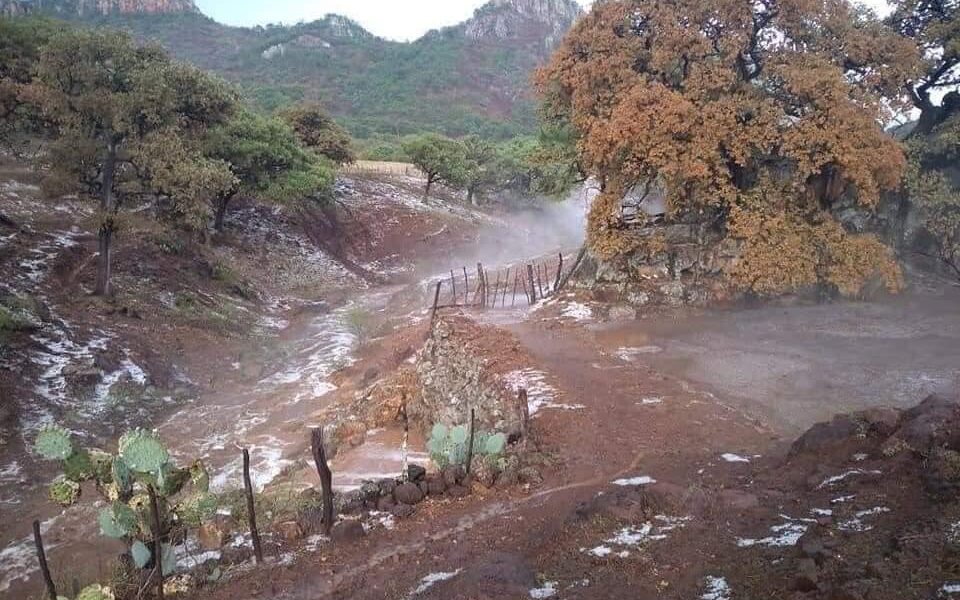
(538,280)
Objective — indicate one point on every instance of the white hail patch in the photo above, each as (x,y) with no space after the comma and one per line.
(630,537)
(629,354)
(432,579)
(851,473)
(856,523)
(785,534)
(540,394)
(717,588)
(950,588)
(651,400)
(547,590)
(734,458)
(641,480)
(843,499)
(577,311)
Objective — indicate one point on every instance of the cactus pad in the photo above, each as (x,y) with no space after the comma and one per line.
(199,476)
(118,521)
(79,467)
(143,452)
(141,554)
(458,435)
(53,443)
(64,491)
(495,444)
(122,476)
(96,592)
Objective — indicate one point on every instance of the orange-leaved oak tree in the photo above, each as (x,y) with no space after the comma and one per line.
(753,117)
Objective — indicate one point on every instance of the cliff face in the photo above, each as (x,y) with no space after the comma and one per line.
(545,20)
(88,8)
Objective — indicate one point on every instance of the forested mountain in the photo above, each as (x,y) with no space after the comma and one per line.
(469,78)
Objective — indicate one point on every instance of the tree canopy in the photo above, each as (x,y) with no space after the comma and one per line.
(755,117)
(319,132)
(266,160)
(126,117)
(440,158)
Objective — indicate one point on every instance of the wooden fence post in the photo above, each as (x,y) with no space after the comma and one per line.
(453,282)
(157,539)
(326,476)
(251,509)
(481,286)
(496,290)
(473,418)
(436,302)
(540,281)
(513,300)
(556,283)
(42,557)
(506,285)
(466,288)
(523,407)
(533,291)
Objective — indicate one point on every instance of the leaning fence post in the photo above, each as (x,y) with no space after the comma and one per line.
(436,302)
(326,477)
(540,282)
(42,557)
(556,283)
(480,285)
(513,299)
(533,290)
(496,290)
(466,288)
(473,417)
(453,283)
(251,511)
(506,286)
(157,539)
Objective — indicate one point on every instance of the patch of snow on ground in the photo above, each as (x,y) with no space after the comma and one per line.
(717,588)
(631,537)
(734,458)
(860,457)
(651,401)
(191,555)
(856,523)
(821,512)
(18,561)
(785,534)
(547,590)
(950,588)
(641,480)
(851,473)
(432,579)
(540,394)
(842,499)
(577,311)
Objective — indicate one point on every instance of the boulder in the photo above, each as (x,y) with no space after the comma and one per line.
(370,491)
(453,474)
(385,503)
(347,531)
(826,435)
(416,473)
(933,422)
(348,502)
(402,511)
(408,493)
(436,485)
(530,476)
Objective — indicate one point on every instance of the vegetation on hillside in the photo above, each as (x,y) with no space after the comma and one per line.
(755,118)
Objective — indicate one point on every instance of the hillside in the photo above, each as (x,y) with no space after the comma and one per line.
(471,77)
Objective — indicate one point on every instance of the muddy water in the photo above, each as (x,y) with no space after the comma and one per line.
(795,366)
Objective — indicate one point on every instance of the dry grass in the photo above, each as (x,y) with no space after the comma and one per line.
(383,167)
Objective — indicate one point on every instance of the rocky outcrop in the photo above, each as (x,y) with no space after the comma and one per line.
(87,8)
(548,20)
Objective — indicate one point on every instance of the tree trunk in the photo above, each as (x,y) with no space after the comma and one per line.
(107,208)
(221,212)
(103,260)
(426,192)
(471,196)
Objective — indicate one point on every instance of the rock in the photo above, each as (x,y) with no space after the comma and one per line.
(348,530)
(530,476)
(402,511)
(826,435)
(408,493)
(806,577)
(436,485)
(370,491)
(385,503)
(483,473)
(507,478)
(416,473)
(931,423)
(290,531)
(214,533)
(424,487)
(458,491)
(387,486)
(881,422)
(348,502)
(452,475)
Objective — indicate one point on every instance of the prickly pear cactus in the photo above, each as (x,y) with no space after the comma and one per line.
(495,444)
(118,521)
(449,445)
(79,466)
(143,452)
(96,592)
(53,443)
(140,554)
(122,477)
(63,491)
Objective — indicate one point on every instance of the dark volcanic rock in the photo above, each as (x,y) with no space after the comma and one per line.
(408,493)
(347,531)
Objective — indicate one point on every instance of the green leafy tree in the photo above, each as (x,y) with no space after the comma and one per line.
(317,131)
(125,115)
(481,162)
(266,160)
(20,44)
(440,158)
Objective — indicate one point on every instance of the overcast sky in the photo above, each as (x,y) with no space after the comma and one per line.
(393,19)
